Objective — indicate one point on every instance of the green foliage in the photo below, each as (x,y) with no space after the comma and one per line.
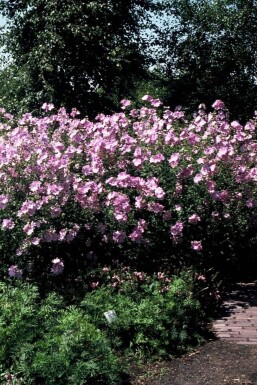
(44,342)
(72,351)
(13,84)
(155,83)
(90,55)
(211,50)
(18,323)
(152,320)
(75,53)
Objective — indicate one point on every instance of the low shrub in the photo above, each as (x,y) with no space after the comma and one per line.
(156,317)
(48,342)
(45,342)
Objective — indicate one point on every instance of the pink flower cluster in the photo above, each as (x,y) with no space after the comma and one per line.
(120,167)
(57,266)
(14,271)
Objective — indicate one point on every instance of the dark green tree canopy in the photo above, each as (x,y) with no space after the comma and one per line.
(91,54)
(84,54)
(212,53)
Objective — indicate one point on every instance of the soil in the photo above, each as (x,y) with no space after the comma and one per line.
(216,363)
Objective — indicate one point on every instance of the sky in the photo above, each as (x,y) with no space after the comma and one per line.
(2,20)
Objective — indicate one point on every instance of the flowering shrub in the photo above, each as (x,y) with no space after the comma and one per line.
(143,184)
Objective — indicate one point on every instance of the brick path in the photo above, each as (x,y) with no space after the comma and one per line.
(238,319)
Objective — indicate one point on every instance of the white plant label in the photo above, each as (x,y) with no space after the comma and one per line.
(110,315)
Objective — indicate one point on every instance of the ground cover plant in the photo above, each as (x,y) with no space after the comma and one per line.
(44,341)
(48,343)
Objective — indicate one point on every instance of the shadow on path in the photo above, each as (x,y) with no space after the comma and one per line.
(229,360)
(237,318)
(242,296)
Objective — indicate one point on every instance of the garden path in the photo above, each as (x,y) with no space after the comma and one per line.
(237,321)
(229,360)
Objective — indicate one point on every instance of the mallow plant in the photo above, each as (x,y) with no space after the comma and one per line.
(144,186)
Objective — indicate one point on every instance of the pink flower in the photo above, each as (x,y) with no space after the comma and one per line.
(57,266)
(94,285)
(7,224)
(164,289)
(147,98)
(211,185)
(137,233)
(157,158)
(196,245)
(101,228)
(4,199)
(29,228)
(156,102)
(218,105)
(125,103)
(14,271)
(140,276)
(55,212)
(222,153)
(160,275)
(140,202)
(174,160)
(194,219)
(47,107)
(155,207)
(198,178)
(74,112)
(136,236)
(176,230)
(159,193)
(119,236)
(142,225)
(54,189)
(35,241)
(28,207)
(201,278)
(137,161)
(35,186)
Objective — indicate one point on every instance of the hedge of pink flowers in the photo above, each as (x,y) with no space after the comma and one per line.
(124,178)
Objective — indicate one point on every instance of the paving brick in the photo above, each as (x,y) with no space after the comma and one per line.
(243,323)
(223,335)
(238,337)
(221,327)
(249,333)
(240,323)
(235,329)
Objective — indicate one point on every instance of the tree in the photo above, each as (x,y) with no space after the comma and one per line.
(211,47)
(83,54)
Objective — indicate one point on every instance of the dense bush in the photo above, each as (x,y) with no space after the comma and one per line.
(145,186)
(44,341)
(156,317)
(109,213)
